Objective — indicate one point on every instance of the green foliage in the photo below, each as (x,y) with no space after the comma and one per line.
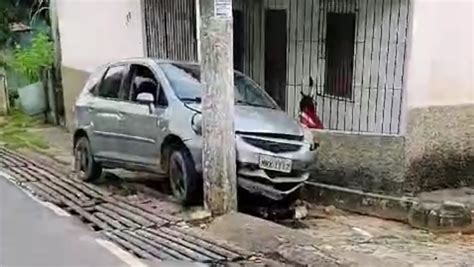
(15,132)
(30,61)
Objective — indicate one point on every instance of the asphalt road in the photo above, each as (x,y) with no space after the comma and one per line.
(32,234)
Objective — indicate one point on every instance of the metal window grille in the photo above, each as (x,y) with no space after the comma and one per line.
(340,42)
(170,29)
(361,92)
(358,94)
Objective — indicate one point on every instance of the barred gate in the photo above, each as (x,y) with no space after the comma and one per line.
(170,32)
(170,29)
(353,50)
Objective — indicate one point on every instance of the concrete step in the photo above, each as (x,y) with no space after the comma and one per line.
(442,215)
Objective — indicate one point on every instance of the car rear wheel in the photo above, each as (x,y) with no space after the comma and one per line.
(185,182)
(85,166)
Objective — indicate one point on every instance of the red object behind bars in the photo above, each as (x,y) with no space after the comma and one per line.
(308,116)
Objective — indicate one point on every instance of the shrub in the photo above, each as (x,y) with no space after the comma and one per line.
(32,60)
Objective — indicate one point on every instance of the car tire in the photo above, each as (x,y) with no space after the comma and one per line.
(185,182)
(85,166)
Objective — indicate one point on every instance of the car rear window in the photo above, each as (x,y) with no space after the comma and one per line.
(110,85)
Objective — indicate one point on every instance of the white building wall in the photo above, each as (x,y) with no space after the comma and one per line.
(378,61)
(441,61)
(94,32)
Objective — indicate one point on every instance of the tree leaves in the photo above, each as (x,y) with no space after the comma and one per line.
(30,61)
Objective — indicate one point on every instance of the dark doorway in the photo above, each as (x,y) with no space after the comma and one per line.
(238,40)
(340,54)
(275,55)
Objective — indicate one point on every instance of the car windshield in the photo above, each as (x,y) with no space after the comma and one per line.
(185,80)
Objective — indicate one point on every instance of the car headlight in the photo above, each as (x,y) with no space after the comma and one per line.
(196,123)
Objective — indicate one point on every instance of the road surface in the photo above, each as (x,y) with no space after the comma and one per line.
(32,234)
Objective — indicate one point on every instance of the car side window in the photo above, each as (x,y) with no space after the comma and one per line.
(110,85)
(94,80)
(143,80)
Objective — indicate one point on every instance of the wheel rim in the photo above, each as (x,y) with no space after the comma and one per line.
(177,178)
(82,160)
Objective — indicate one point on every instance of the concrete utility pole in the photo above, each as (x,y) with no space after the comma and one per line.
(54,77)
(217,74)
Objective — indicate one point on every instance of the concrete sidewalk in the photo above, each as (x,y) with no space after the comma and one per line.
(59,141)
(437,211)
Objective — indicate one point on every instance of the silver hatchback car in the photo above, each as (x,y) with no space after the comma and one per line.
(144,115)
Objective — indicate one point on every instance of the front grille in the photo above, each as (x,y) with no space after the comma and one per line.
(275,147)
(273,135)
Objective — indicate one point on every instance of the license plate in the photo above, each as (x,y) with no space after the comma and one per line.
(275,164)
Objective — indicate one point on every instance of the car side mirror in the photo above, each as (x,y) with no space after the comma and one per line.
(147,99)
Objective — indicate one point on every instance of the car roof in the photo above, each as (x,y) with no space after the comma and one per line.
(189,63)
(152,59)
(158,61)
(165,61)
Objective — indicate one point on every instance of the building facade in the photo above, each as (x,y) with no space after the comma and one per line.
(380,70)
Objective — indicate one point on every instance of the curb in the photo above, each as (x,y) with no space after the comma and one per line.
(433,216)
(444,216)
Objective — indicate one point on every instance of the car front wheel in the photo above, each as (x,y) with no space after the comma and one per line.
(85,166)
(184,180)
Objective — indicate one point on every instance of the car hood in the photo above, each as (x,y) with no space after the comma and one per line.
(262,120)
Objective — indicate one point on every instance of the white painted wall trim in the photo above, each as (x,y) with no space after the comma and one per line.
(198,29)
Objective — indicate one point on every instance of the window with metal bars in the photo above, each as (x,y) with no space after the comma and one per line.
(353,49)
(340,54)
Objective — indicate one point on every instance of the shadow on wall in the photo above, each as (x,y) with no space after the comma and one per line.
(440,147)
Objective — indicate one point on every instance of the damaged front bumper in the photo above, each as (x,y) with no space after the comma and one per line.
(271,184)
(267,190)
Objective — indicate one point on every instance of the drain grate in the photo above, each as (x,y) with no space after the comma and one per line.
(147,235)
(91,203)
(121,216)
(173,243)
